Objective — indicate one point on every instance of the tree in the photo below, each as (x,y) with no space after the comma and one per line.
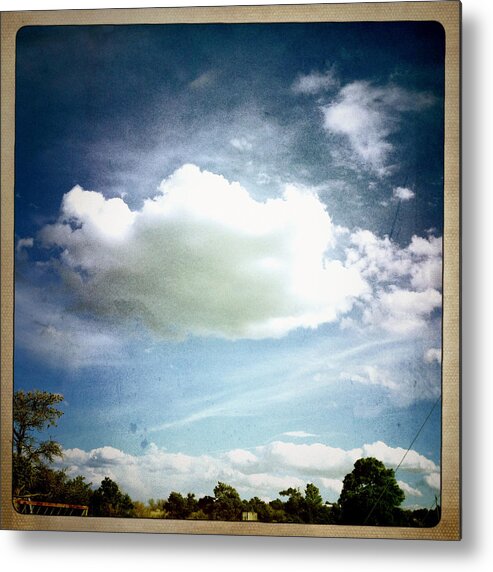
(263,510)
(33,412)
(295,505)
(307,508)
(206,505)
(108,500)
(227,503)
(180,507)
(313,504)
(370,495)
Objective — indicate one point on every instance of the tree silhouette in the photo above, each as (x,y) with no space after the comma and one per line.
(370,495)
(108,500)
(33,412)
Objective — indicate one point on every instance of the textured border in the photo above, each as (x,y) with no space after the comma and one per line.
(448,13)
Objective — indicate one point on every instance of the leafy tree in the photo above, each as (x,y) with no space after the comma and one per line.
(108,500)
(277,512)
(263,510)
(206,505)
(227,503)
(313,504)
(33,412)
(56,486)
(295,505)
(307,507)
(77,491)
(370,495)
(178,506)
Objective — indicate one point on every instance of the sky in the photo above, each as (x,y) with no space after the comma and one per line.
(229,248)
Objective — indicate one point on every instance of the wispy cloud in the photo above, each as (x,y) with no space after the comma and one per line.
(314,82)
(241,144)
(299,434)
(366,115)
(204,80)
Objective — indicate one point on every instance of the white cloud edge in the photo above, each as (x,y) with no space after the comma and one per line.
(260,471)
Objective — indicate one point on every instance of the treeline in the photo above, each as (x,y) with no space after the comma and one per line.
(370,494)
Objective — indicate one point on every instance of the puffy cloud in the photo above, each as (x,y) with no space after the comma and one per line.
(382,260)
(403,194)
(394,456)
(433,481)
(314,82)
(367,115)
(204,258)
(306,459)
(406,281)
(403,311)
(409,490)
(433,354)
(263,471)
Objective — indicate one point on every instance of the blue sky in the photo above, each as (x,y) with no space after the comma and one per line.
(228,250)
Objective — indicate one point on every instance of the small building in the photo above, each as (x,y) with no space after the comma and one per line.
(249,516)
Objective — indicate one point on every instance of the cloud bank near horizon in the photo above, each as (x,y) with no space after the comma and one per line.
(260,471)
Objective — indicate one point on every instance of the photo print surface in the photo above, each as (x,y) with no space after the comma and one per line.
(228,271)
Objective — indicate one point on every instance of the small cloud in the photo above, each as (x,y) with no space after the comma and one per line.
(203,80)
(314,82)
(403,194)
(433,354)
(241,143)
(299,434)
(24,243)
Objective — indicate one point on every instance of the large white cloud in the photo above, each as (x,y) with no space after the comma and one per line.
(262,471)
(204,258)
(367,115)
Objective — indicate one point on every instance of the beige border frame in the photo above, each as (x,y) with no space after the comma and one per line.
(448,13)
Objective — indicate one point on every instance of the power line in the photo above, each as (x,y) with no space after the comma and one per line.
(403,457)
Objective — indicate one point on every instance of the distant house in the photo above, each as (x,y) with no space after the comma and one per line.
(251,516)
